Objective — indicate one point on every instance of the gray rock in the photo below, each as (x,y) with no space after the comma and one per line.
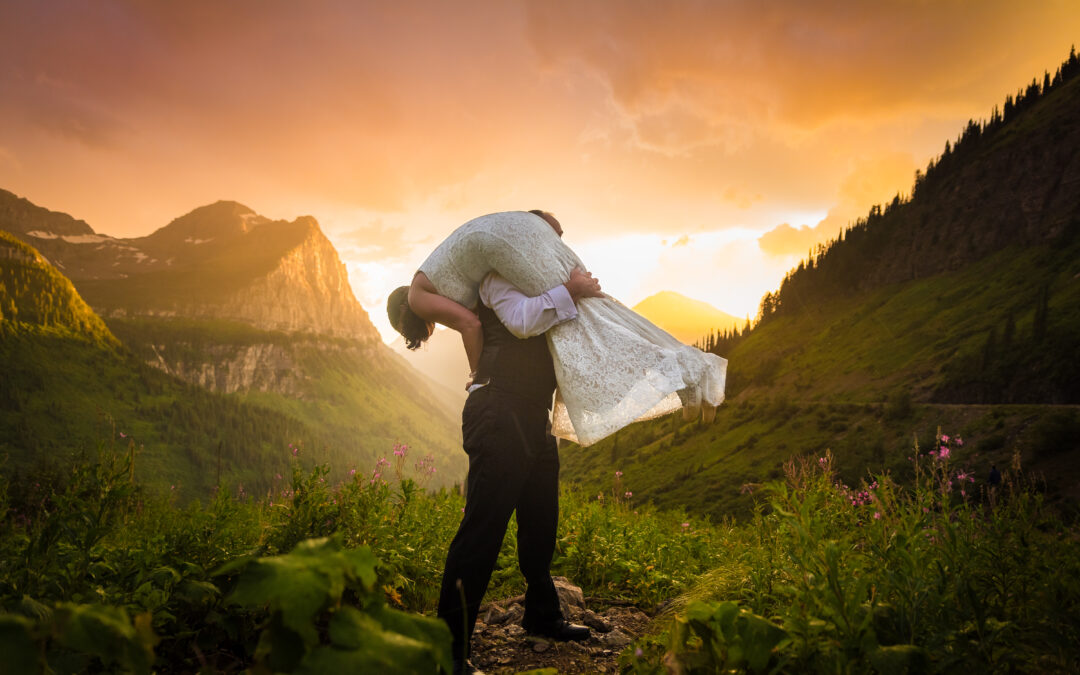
(616,639)
(570,596)
(594,621)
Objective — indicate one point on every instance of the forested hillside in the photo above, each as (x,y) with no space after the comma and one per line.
(69,387)
(958,307)
(260,309)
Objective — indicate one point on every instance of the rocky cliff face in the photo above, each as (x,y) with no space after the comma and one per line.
(231,369)
(221,261)
(307,291)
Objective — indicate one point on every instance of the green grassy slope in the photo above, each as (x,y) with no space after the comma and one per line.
(361,399)
(958,308)
(862,377)
(32,291)
(69,386)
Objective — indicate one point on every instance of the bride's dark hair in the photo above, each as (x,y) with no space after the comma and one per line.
(404,320)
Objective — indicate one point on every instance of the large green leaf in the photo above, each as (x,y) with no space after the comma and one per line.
(363,645)
(433,632)
(105,632)
(301,583)
(899,659)
(20,653)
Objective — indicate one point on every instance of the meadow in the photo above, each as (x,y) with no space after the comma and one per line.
(98,574)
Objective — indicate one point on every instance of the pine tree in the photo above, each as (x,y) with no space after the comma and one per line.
(1042,311)
(1009,333)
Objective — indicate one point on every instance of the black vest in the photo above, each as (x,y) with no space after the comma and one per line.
(513,365)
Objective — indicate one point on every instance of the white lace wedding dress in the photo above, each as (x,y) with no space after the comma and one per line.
(613,366)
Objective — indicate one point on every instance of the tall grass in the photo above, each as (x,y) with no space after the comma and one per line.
(932,576)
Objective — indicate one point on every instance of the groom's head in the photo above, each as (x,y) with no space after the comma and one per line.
(550,220)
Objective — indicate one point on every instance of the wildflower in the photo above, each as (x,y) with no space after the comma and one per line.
(618,474)
(685,525)
(638,653)
(944,453)
(123,435)
(600,497)
(944,438)
(959,441)
(277,476)
(352,472)
(172,487)
(877,515)
(295,452)
(628,494)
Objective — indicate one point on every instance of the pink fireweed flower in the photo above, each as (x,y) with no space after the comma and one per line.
(877,515)
(295,452)
(123,435)
(959,441)
(944,453)
(944,438)
(352,472)
(685,525)
(618,474)
(628,494)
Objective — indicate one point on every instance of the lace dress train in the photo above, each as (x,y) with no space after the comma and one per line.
(613,366)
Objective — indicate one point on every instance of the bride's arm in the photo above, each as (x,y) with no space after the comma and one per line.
(430,306)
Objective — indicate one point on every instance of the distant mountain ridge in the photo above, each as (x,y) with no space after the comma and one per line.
(236,303)
(687,319)
(221,261)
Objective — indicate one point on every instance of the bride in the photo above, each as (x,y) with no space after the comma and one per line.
(613,366)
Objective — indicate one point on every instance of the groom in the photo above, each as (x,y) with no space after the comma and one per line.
(513,459)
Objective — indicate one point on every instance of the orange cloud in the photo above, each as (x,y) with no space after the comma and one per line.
(873,181)
(697,74)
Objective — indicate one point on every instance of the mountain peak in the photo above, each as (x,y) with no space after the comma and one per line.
(220,220)
(22,216)
(685,318)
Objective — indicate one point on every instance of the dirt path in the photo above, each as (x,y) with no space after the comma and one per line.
(501,647)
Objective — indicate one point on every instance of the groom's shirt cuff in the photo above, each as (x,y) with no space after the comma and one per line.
(526,316)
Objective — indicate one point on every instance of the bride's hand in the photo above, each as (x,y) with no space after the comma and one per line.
(583,285)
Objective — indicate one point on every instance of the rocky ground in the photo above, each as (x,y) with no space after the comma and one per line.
(500,645)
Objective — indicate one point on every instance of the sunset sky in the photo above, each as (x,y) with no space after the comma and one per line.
(685,146)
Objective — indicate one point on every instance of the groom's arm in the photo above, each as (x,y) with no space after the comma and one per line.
(522,315)
(526,316)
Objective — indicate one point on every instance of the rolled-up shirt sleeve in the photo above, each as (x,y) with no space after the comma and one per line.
(526,316)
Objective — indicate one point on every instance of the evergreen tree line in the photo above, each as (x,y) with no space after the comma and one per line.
(839,265)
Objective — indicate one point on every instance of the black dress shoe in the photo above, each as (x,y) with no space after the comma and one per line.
(466,668)
(561,630)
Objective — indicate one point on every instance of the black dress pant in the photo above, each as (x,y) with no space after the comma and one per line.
(513,467)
